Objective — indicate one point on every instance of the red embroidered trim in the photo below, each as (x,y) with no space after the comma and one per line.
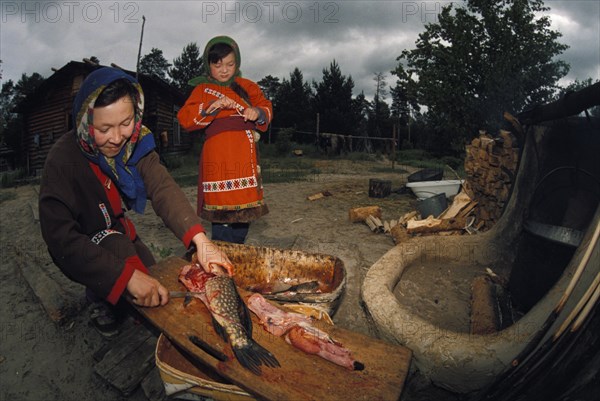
(187,237)
(115,201)
(132,263)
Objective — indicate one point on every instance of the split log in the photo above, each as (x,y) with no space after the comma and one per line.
(315,196)
(459,202)
(377,221)
(483,311)
(408,217)
(319,195)
(467,210)
(379,188)
(360,214)
(374,224)
(432,225)
(399,234)
(369,221)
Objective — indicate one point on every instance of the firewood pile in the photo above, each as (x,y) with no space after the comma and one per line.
(453,221)
(491,165)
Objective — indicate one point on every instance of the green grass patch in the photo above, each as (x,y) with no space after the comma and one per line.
(288,169)
(7,195)
(13,178)
(291,168)
(160,251)
(397,169)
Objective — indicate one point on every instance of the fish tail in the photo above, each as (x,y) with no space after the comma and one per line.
(253,355)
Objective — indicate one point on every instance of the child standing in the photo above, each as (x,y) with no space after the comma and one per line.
(230,108)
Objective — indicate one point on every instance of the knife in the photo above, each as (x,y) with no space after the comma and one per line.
(183,294)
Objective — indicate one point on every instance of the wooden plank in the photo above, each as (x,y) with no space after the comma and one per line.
(301,376)
(153,386)
(57,301)
(129,359)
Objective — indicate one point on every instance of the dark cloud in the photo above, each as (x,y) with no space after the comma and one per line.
(364,37)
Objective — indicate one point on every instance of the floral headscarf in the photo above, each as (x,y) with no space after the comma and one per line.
(121,168)
(205,77)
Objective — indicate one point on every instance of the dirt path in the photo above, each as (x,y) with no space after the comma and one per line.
(42,360)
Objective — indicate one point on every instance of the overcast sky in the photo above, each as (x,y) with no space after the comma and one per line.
(364,37)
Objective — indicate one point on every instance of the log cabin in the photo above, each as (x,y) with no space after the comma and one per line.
(47,112)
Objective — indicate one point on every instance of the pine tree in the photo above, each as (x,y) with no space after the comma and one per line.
(333,101)
(154,63)
(187,66)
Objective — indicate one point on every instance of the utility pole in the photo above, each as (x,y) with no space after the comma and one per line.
(318,118)
(137,67)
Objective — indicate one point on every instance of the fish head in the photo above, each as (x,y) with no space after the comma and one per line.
(194,277)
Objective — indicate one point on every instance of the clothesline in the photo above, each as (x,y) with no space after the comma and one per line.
(345,136)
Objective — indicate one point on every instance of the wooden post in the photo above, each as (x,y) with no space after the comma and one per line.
(137,68)
(393,145)
(318,117)
(408,124)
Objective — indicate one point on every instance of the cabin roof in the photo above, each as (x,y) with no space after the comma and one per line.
(73,68)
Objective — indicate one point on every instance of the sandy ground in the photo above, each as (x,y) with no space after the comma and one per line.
(41,360)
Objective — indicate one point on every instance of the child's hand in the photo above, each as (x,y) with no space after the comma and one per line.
(250,114)
(222,103)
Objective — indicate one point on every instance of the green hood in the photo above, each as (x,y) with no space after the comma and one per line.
(205,77)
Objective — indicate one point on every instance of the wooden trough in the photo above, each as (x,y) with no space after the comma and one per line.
(289,276)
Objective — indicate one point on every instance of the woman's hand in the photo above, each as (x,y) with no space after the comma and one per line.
(210,256)
(146,290)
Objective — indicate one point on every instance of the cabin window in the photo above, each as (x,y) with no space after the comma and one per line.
(176,127)
(77,81)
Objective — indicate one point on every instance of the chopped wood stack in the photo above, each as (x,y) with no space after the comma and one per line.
(491,164)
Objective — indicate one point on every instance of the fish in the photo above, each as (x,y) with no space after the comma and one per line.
(278,287)
(298,330)
(230,316)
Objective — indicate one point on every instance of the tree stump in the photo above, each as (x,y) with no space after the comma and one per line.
(379,188)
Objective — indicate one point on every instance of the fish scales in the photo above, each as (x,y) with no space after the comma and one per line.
(231,318)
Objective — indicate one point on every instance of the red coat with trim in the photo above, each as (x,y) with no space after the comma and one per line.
(230,185)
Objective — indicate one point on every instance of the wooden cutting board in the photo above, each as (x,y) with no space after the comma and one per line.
(301,376)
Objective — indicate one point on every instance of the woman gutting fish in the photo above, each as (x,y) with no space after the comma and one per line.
(106,159)
(231,318)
